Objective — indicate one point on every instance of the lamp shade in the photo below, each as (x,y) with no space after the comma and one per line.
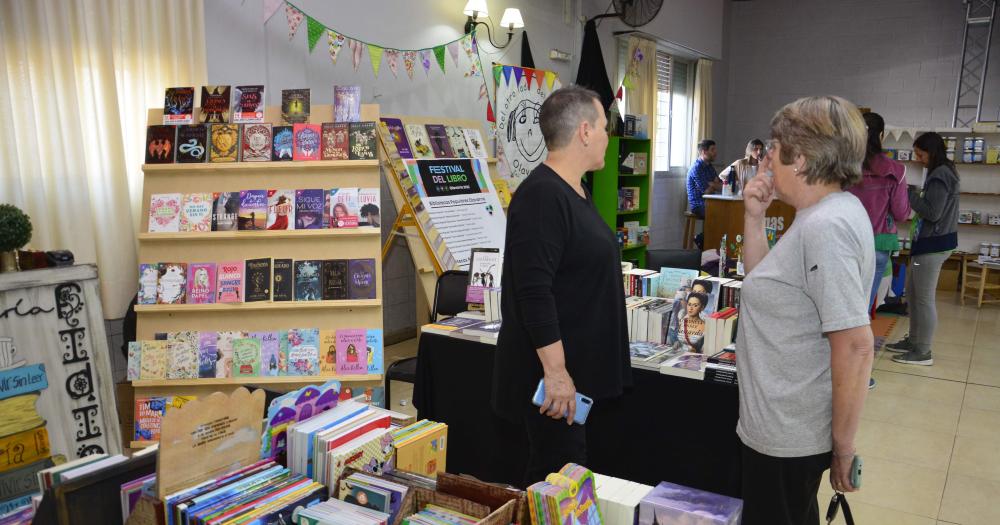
(475,6)
(511,18)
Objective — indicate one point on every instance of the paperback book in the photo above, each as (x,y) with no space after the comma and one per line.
(149,413)
(253,210)
(361,279)
(309,209)
(230,283)
(225,343)
(178,105)
(214,104)
(182,355)
(302,356)
(362,140)
(344,208)
(352,351)
(201,283)
(284,143)
(336,142)
(196,212)
(307,142)
(256,142)
(160,144)
(172,285)
(225,211)
(224,143)
(420,143)
(308,281)
(208,353)
(153,360)
(134,365)
(346,103)
(369,212)
(457,140)
(335,285)
(295,105)
(283,283)
(257,280)
(374,343)
(246,357)
(165,212)
(192,143)
(248,104)
(398,134)
(270,351)
(439,141)
(280,209)
(327,352)
(477,148)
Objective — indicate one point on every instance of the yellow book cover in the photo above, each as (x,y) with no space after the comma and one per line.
(153,361)
(424,454)
(503,191)
(327,352)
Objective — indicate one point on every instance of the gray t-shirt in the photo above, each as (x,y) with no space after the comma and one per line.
(816,279)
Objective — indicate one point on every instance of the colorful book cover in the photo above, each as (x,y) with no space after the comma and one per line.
(224,346)
(224,143)
(346,103)
(172,285)
(336,142)
(328,352)
(196,212)
(201,283)
(225,211)
(256,143)
(253,210)
(214,104)
(178,105)
(257,280)
(229,288)
(361,279)
(457,140)
(283,352)
(369,211)
(192,143)
(295,105)
(420,142)
(134,361)
(303,352)
(503,191)
(308,282)
(165,212)
(439,141)
(335,285)
(363,140)
(153,360)
(280,209)
(148,416)
(182,355)
(248,104)
(246,357)
(477,148)
(284,143)
(149,278)
(160,144)
(374,342)
(270,350)
(283,283)
(307,142)
(352,352)
(344,208)
(309,209)
(398,134)
(208,353)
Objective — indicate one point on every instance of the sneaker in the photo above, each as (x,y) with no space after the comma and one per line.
(871,383)
(900,347)
(914,358)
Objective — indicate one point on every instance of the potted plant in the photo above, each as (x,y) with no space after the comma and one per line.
(15,232)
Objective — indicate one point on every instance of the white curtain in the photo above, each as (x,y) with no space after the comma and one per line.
(702,123)
(76,81)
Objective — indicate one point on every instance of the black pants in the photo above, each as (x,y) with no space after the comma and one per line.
(781,491)
(551,445)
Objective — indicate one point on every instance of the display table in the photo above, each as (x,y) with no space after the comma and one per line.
(724,215)
(665,429)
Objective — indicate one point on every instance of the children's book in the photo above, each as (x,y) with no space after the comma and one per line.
(192,143)
(270,350)
(362,140)
(374,343)
(420,142)
(398,134)
(253,210)
(224,345)
(196,212)
(257,143)
(172,285)
(369,201)
(280,209)
(149,413)
(165,212)
(346,103)
(246,357)
(439,141)
(149,277)
(182,355)
(335,285)
(225,211)
(352,351)
(160,144)
(328,352)
(309,209)
(307,142)
(214,104)
(295,105)
(344,208)
(224,143)
(336,141)
(308,281)
(283,282)
(457,140)
(303,352)
(134,361)
(248,104)
(178,105)
(208,353)
(361,279)
(257,280)
(284,143)
(477,148)
(153,360)
(229,288)
(201,283)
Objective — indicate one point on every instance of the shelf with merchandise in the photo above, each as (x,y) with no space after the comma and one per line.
(323,166)
(257,380)
(632,212)
(260,234)
(629,247)
(262,305)
(633,175)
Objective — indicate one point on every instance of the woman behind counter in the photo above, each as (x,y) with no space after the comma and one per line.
(739,173)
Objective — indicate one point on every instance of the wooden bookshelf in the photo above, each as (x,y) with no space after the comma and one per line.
(262,305)
(242,167)
(269,380)
(259,235)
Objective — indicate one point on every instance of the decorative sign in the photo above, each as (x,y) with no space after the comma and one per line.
(518,102)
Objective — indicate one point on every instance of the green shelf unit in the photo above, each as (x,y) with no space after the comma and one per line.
(605,182)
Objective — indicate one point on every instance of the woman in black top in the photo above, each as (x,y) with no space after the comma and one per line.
(563,303)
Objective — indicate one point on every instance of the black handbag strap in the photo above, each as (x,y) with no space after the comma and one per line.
(836,503)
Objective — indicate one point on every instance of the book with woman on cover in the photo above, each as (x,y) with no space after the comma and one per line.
(280,209)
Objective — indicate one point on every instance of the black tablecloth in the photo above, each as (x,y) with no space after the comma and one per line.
(665,428)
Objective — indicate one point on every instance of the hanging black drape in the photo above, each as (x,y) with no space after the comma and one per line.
(526,59)
(592,73)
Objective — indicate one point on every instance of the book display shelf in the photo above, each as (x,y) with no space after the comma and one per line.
(320,244)
(607,182)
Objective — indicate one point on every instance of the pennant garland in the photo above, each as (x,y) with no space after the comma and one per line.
(409,58)
(496,75)
(539,76)
(375,53)
(506,75)
(489,112)
(550,79)
(356,48)
(393,56)
(315,30)
(528,77)
(453,51)
(336,43)
(467,45)
(518,73)
(482,91)
(270,7)
(294,19)
(425,59)
(439,55)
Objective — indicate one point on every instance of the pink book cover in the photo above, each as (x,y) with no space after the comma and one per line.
(230,282)
(201,283)
(306,138)
(352,352)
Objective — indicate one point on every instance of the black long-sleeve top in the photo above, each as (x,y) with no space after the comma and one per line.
(561,281)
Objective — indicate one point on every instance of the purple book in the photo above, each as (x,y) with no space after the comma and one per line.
(439,141)
(346,103)
(208,353)
(670,503)
(398,133)
(253,210)
(361,279)
(309,209)
(270,352)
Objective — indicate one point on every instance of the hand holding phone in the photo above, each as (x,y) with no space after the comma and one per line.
(574,412)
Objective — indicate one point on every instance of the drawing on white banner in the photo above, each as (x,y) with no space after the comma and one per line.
(520,93)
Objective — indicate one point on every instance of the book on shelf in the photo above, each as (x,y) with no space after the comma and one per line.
(375,346)
(308,280)
(439,142)
(196,212)
(334,280)
(336,141)
(328,352)
(421,448)
(361,283)
(295,106)
(309,209)
(673,279)
(369,211)
(688,364)
(346,103)
(201,282)
(398,133)
(224,348)
(280,210)
(149,412)
(456,138)
(248,104)
(672,503)
(352,352)
(632,227)
(362,140)
(284,143)
(253,210)
(182,355)
(171,287)
(225,211)
(149,277)
(307,141)
(153,360)
(256,142)
(165,212)
(224,143)
(229,288)
(301,350)
(641,166)
(629,198)
(344,208)
(257,280)
(160,144)
(477,147)
(270,353)
(208,353)
(283,283)
(192,144)
(420,142)
(134,363)
(215,104)
(178,105)
(246,357)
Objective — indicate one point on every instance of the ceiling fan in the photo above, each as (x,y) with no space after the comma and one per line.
(635,13)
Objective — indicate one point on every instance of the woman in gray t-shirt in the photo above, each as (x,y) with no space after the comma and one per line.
(804,346)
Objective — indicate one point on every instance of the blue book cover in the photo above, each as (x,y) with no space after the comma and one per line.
(373,340)
(283,143)
(302,348)
(308,282)
(309,209)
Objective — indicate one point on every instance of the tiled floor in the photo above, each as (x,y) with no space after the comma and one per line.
(930,436)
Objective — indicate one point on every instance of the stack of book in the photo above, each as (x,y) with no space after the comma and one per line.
(471,326)
(670,503)
(337,512)
(374,493)
(437,515)
(421,448)
(131,491)
(491,304)
(720,328)
(568,496)
(641,283)
(688,364)
(730,295)
(619,499)
(721,367)
(649,356)
(648,318)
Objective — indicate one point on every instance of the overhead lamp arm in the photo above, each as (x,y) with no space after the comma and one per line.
(471,24)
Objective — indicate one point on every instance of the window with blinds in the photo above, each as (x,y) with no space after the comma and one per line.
(661,149)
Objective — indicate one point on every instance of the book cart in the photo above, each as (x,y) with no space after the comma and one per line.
(190,247)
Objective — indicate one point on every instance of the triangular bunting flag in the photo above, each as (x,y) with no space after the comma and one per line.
(294,19)
(482,91)
(393,57)
(425,60)
(489,112)
(270,7)
(453,51)
(496,75)
(621,93)
(539,76)
(627,82)
(506,75)
(518,73)
(529,76)
(475,44)
(409,58)
(375,54)
(439,55)
(315,31)
(356,49)
(336,44)
(550,79)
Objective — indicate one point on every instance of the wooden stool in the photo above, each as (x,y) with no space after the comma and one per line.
(690,229)
(979,275)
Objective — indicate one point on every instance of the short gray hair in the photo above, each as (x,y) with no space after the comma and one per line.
(829,132)
(564,110)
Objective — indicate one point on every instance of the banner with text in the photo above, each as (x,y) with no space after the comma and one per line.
(520,92)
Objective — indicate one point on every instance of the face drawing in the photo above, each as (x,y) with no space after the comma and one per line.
(522,128)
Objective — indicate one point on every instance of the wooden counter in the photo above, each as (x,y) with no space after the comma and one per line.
(724,215)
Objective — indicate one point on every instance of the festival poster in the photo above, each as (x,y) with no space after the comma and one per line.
(520,145)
